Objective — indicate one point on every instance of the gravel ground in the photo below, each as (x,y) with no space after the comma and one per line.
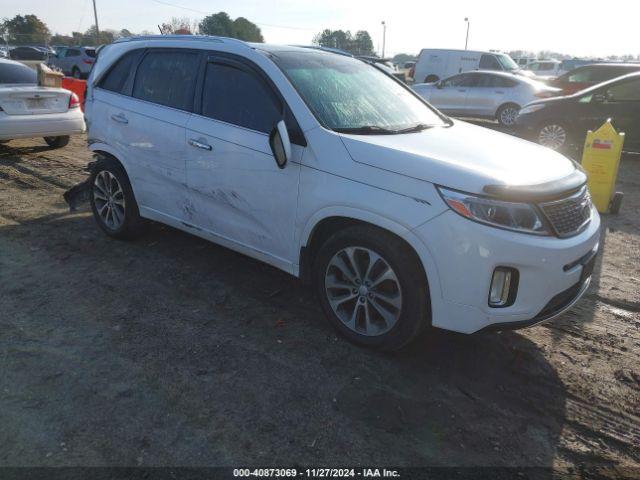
(173,351)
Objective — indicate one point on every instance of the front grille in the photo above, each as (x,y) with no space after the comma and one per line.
(569,216)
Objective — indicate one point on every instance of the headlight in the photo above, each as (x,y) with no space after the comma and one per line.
(520,217)
(531,108)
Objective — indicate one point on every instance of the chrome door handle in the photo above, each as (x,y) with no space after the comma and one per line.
(204,146)
(119,118)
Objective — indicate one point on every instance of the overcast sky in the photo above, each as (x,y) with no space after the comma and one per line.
(571,26)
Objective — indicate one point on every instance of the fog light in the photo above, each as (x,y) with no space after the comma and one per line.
(504,286)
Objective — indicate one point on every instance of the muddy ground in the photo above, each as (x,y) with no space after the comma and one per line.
(173,351)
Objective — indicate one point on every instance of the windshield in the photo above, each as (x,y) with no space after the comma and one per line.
(507,62)
(13,73)
(346,94)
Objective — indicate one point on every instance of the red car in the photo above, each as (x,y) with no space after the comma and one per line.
(589,75)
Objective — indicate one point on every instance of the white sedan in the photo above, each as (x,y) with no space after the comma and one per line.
(484,94)
(30,111)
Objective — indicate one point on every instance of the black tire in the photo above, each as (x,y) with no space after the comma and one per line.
(132,225)
(415,311)
(76,73)
(57,142)
(504,115)
(431,79)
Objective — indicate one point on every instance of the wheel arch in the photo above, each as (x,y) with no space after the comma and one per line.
(324,224)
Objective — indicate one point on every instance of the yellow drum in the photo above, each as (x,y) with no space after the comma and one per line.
(601,159)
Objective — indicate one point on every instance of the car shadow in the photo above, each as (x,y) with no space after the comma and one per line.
(173,351)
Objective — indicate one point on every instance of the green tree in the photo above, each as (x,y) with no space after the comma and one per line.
(247,31)
(25,29)
(218,24)
(360,44)
(89,37)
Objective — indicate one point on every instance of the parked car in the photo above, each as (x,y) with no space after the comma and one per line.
(27,53)
(74,61)
(589,75)
(323,166)
(435,64)
(484,94)
(564,121)
(29,111)
(385,65)
(523,61)
(546,69)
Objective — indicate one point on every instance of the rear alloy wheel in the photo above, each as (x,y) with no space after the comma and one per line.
(371,287)
(112,201)
(507,115)
(57,142)
(553,135)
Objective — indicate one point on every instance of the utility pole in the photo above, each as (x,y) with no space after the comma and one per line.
(384,36)
(95,16)
(466,42)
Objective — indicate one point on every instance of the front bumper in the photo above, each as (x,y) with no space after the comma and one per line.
(552,273)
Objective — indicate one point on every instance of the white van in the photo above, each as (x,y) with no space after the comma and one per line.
(323,166)
(435,64)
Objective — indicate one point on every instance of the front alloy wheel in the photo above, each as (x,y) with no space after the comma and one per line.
(108,198)
(363,291)
(553,136)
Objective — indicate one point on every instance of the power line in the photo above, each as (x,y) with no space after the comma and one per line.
(161,2)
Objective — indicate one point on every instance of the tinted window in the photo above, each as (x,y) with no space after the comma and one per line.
(489,62)
(16,73)
(117,77)
(580,75)
(167,78)
(624,92)
(239,97)
(90,52)
(463,80)
(504,82)
(72,52)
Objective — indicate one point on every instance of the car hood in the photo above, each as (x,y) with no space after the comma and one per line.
(463,156)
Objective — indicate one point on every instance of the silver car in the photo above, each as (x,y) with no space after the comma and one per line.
(74,61)
(484,94)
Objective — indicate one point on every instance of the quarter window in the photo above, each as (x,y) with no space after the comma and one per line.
(116,78)
(167,78)
(237,96)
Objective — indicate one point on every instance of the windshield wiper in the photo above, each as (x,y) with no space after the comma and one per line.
(366,130)
(415,128)
(376,130)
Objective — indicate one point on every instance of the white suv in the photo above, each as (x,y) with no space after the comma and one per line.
(325,167)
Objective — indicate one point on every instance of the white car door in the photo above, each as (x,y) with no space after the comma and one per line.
(150,127)
(238,192)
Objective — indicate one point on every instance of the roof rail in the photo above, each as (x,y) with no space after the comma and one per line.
(197,38)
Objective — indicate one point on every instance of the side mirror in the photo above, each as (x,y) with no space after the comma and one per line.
(280,144)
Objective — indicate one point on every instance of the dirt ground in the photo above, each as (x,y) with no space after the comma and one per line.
(173,351)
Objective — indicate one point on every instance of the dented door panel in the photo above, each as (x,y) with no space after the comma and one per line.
(237,191)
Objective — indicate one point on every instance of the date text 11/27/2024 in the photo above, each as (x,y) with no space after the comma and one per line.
(317,472)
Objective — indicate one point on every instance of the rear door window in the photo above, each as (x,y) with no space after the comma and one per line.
(624,92)
(238,96)
(167,78)
(72,52)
